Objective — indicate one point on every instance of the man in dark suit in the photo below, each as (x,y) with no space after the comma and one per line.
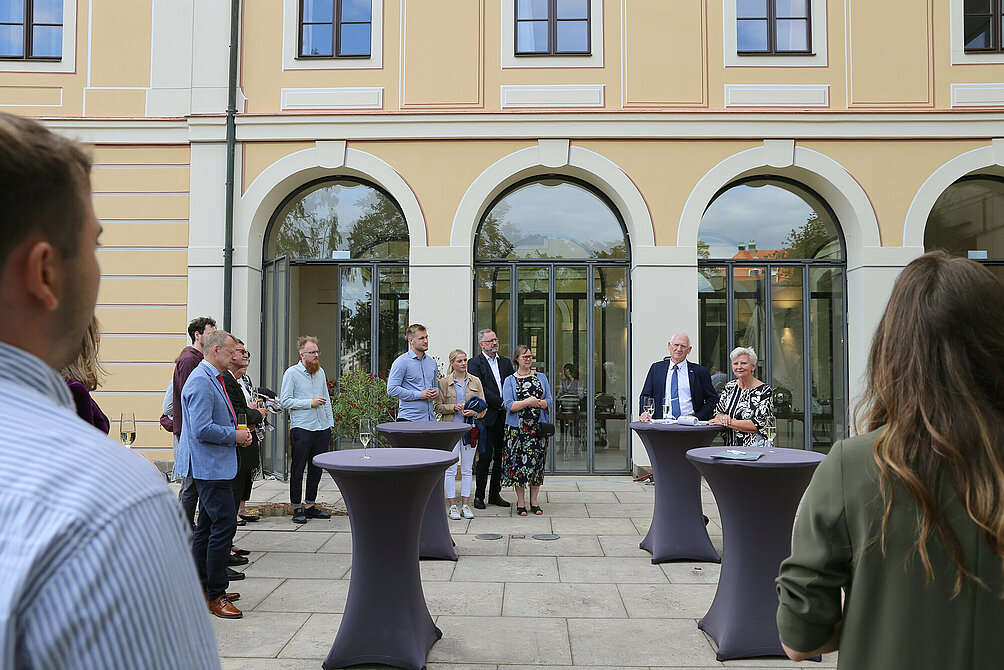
(492,370)
(686,387)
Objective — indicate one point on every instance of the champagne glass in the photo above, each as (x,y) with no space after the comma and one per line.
(769,432)
(365,434)
(667,410)
(648,405)
(127,428)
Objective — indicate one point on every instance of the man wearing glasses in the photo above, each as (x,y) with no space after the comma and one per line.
(492,370)
(305,394)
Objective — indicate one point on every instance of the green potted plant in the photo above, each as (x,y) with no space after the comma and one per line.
(360,395)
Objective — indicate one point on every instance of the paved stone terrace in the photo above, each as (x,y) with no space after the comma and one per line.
(591,599)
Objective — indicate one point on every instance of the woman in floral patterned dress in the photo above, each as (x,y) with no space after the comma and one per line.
(746,404)
(527,399)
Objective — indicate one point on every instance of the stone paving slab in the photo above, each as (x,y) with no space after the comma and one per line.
(609,570)
(607,526)
(527,525)
(639,642)
(565,545)
(464,598)
(258,634)
(282,540)
(579,496)
(563,600)
(340,543)
(306,595)
(314,638)
(656,601)
(507,568)
(298,565)
(623,545)
(529,640)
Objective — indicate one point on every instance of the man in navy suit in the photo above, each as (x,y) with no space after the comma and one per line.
(206,452)
(492,370)
(686,387)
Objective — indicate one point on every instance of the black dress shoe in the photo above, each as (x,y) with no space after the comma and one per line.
(237,560)
(234,576)
(479,503)
(240,552)
(299,516)
(500,501)
(249,517)
(241,522)
(315,512)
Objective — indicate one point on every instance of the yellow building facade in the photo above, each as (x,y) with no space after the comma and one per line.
(555,123)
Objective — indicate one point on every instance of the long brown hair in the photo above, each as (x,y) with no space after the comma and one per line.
(86,368)
(936,382)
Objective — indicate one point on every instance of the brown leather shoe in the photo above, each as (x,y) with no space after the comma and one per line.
(224,609)
(230,596)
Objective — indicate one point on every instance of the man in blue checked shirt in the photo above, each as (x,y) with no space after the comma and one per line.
(94,552)
(414,378)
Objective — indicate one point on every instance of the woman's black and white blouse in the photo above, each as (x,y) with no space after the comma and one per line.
(755,404)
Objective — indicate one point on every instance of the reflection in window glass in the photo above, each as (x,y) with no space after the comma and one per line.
(355,40)
(11,41)
(317,40)
(318,11)
(551,219)
(340,219)
(969,216)
(531,37)
(531,9)
(12,11)
(751,9)
(356,10)
(573,36)
(751,35)
(792,35)
(573,9)
(47,41)
(768,218)
(792,8)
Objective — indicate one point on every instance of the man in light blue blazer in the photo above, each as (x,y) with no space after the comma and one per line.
(207,453)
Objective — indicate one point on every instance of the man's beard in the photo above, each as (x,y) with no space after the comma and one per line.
(312,366)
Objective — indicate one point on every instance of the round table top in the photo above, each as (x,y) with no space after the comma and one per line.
(408,427)
(384,460)
(673,427)
(779,458)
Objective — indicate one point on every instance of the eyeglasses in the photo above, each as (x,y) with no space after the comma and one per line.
(494,339)
(311,353)
(245,353)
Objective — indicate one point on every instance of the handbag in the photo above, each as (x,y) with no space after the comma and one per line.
(167,423)
(545,429)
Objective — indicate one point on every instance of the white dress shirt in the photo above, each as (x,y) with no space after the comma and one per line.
(493,363)
(683,382)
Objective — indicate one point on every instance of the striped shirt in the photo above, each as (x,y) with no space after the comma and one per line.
(96,569)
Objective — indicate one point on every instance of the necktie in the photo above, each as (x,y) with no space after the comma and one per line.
(674,392)
(233,415)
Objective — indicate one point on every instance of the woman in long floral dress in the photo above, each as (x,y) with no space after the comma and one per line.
(527,399)
(746,405)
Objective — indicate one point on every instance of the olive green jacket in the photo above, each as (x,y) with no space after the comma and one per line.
(891,618)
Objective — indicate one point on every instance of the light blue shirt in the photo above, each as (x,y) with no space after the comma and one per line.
(299,388)
(409,376)
(111,536)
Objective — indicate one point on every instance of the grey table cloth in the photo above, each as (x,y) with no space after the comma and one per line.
(436,541)
(677,531)
(386,619)
(757,500)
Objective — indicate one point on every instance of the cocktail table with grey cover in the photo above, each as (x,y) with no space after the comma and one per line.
(757,500)
(678,530)
(436,541)
(386,619)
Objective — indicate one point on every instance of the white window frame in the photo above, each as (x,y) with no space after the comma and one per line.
(290,43)
(511,61)
(958,40)
(67,61)
(817,22)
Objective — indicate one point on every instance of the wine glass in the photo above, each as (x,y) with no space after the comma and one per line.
(365,434)
(127,428)
(648,404)
(769,432)
(667,410)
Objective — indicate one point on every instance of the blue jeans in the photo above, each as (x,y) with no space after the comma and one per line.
(214,534)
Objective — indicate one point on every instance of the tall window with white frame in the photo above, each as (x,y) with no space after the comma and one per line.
(552,27)
(983,22)
(765,27)
(31,29)
(335,28)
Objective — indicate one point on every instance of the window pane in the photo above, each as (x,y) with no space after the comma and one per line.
(393,316)
(787,356)
(826,339)
(317,40)
(12,41)
(531,37)
(573,9)
(751,9)
(492,291)
(356,332)
(531,9)
(977,6)
(712,300)
(47,41)
(573,36)
(765,218)
(977,33)
(355,10)
(969,216)
(610,400)
(792,35)
(792,9)
(551,219)
(339,219)
(751,35)
(355,39)
(318,11)
(12,11)
(47,11)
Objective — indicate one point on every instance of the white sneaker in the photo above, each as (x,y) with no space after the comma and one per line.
(468,514)
(454,514)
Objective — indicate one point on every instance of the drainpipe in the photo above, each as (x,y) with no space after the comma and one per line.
(228,244)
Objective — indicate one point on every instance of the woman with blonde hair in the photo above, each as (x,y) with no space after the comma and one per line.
(455,389)
(84,374)
(898,552)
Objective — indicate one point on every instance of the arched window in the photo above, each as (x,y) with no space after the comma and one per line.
(335,266)
(552,272)
(968,221)
(771,259)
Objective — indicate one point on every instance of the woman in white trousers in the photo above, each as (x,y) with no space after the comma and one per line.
(455,389)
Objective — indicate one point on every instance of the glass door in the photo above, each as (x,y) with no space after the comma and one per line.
(571,346)
(276,345)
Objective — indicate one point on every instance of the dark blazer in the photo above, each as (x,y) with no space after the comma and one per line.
(702,391)
(478,366)
(237,399)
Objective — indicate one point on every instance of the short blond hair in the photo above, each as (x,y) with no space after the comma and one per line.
(302,342)
(455,353)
